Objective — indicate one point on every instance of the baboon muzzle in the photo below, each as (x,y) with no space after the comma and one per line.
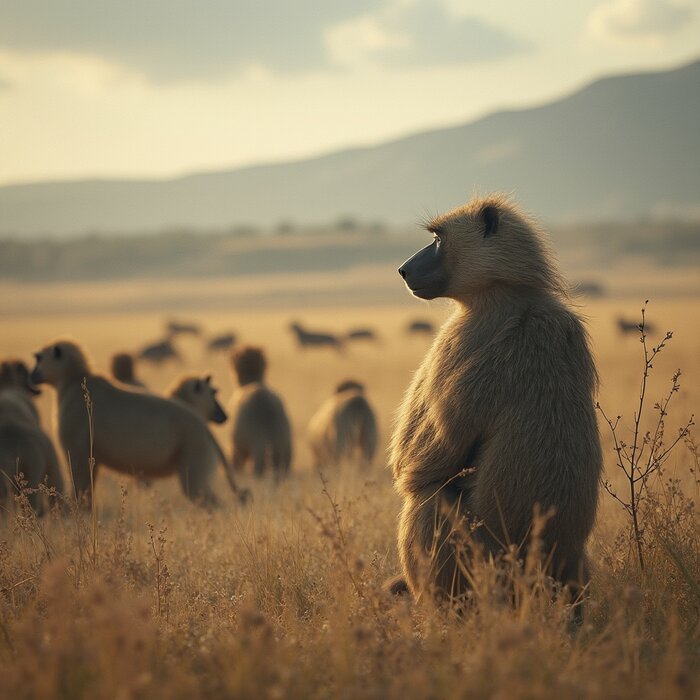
(424,273)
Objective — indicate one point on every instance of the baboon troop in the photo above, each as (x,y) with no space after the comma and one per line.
(344,428)
(499,420)
(27,455)
(261,430)
(130,432)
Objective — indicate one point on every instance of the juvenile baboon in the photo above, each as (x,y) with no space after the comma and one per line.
(199,393)
(344,428)
(123,370)
(132,432)
(309,339)
(24,447)
(261,430)
(499,418)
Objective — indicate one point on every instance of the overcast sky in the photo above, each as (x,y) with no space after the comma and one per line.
(161,87)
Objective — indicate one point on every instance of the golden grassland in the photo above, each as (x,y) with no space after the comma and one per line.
(283,598)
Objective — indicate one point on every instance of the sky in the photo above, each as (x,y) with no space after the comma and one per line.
(158,88)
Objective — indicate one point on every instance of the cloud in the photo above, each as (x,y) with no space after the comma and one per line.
(168,40)
(420,33)
(635,21)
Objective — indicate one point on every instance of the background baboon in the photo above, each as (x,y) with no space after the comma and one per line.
(499,418)
(199,393)
(160,351)
(24,447)
(123,370)
(344,427)
(133,432)
(224,341)
(419,327)
(309,339)
(261,429)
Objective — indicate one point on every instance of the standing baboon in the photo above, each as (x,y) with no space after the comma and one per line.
(123,370)
(132,432)
(199,393)
(499,418)
(24,447)
(261,429)
(344,427)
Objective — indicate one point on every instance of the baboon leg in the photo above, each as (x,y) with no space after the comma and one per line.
(194,480)
(239,458)
(280,462)
(576,577)
(433,547)
(259,462)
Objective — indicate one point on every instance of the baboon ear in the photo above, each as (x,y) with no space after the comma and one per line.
(57,352)
(491,217)
(207,379)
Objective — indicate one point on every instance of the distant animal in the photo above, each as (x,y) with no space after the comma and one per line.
(499,419)
(159,351)
(361,334)
(626,326)
(420,327)
(24,447)
(261,429)
(308,339)
(344,428)
(199,394)
(123,370)
(132,432)
(179,328)
(225,341)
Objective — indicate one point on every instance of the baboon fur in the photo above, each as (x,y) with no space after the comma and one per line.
(24,447)
(344,428)
(499,418)
(133,432)
(261,429)
(123,370)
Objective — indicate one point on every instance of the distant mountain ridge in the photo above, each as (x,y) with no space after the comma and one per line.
(621,148)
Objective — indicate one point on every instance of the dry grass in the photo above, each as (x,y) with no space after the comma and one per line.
(284,598)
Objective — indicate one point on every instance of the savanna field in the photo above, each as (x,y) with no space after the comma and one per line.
(153,597)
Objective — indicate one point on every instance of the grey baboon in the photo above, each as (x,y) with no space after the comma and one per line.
(309,339)
(24,447)
(132,432)
(499,419)
(344,428)
(261,430)
(200,394)
(123,370)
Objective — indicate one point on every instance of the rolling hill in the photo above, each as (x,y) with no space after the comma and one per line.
(622,148)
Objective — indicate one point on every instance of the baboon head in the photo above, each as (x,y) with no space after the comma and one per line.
(201,395)
(58,363)
(349,385)
(123,367)
(484,244)
(14,374)
(249,363)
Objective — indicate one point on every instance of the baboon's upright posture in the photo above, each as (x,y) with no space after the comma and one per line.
(132,432)
(261,429)
(24,447)
(123,370)
(499,418)
(344,427)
